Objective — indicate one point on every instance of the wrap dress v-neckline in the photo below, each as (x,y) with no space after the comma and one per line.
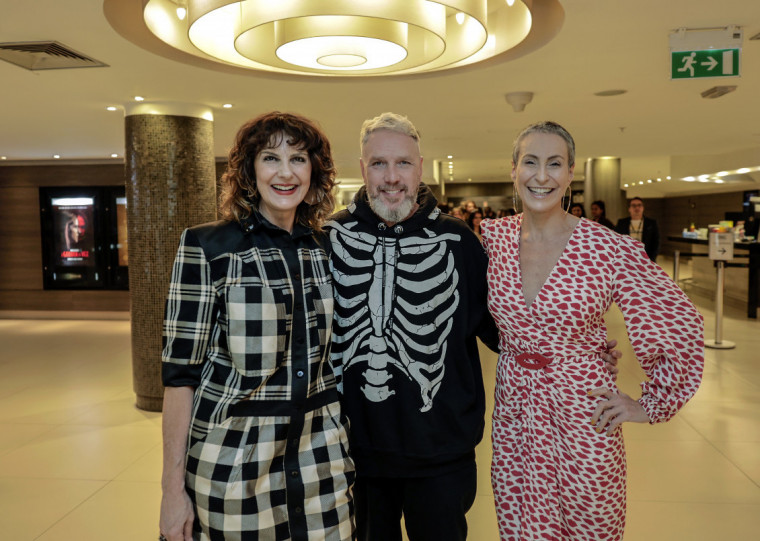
(553,475)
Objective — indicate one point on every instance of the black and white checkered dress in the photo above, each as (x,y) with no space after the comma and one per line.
(248,324)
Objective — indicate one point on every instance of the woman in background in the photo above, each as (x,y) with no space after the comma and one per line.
(599,214)
(577,210)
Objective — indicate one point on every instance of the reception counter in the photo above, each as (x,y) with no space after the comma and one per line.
(745,253)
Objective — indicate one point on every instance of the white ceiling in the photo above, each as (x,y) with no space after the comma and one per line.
(659,127)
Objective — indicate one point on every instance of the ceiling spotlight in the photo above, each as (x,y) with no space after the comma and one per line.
(510,3)
(114,155)
(718,91)
(227,106)
(449,157)
(139,98)
(667,178)
(56,156)
(625,185)
(181,13)
(518,100)
(460,17)
(3,157)
(110,108)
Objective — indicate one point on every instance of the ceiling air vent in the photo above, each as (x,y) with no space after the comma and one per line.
(45,55)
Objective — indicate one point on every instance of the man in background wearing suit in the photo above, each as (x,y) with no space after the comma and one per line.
(641,228)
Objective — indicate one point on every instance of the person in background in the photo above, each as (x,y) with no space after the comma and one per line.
(641,228)
(577,210)
(474,221)
(457,212)
(558,468)
(599,214)
(488,212)
(255,446)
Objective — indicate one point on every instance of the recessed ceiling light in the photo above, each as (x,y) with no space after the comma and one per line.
(719,181)
(56,156)
(721,173)
(450,157)
(469,180)
(659,180)
(743,170)
(460,17)
(625,185)
(139,98)
(667,178)
(605,93)
(110,108)
(689,179)
(649,181)
(227,106)
(114,155)
(3,158)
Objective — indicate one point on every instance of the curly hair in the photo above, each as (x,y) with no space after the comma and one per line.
(239,194)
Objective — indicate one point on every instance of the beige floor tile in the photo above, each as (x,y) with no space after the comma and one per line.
(80,452)
(675,521)
(18,435)
(724,420)
(481,520)
(745,455)
(119,410)
(31,506)
(145,469)
(685,471)
(121,511)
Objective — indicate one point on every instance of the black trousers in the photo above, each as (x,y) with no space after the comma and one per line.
(434,508)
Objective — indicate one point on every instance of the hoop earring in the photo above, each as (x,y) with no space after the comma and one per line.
(569,199)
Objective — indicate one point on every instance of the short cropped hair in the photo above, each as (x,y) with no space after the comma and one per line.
(387,121)
(550,127)
(239,195)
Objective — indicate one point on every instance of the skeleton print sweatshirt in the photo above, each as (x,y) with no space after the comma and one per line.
(410,300)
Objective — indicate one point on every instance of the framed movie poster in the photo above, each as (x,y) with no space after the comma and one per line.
(73,220)
(84,238)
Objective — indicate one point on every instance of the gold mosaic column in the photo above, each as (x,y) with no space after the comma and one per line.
(171,185)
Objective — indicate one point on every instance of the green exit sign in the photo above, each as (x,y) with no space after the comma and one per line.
(700,64)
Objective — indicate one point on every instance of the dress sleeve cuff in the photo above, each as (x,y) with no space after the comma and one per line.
(181,375)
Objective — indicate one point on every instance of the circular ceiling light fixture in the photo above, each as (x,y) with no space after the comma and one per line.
(340,37)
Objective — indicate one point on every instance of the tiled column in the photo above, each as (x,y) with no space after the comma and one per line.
(603,182)
(171,185)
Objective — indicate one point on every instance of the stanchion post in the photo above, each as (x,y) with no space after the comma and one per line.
(676,264)
(721,250)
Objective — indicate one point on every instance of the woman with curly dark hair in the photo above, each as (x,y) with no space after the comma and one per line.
(254,442)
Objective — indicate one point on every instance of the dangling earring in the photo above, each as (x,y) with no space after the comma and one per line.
(569,198)
(515,199)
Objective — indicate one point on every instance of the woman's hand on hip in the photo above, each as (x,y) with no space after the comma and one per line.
(616,409)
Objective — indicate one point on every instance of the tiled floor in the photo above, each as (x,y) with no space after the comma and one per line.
(79,463)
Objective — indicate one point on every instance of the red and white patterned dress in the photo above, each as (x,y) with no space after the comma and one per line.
(553,475)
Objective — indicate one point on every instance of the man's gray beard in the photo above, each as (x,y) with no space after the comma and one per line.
(392,216)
